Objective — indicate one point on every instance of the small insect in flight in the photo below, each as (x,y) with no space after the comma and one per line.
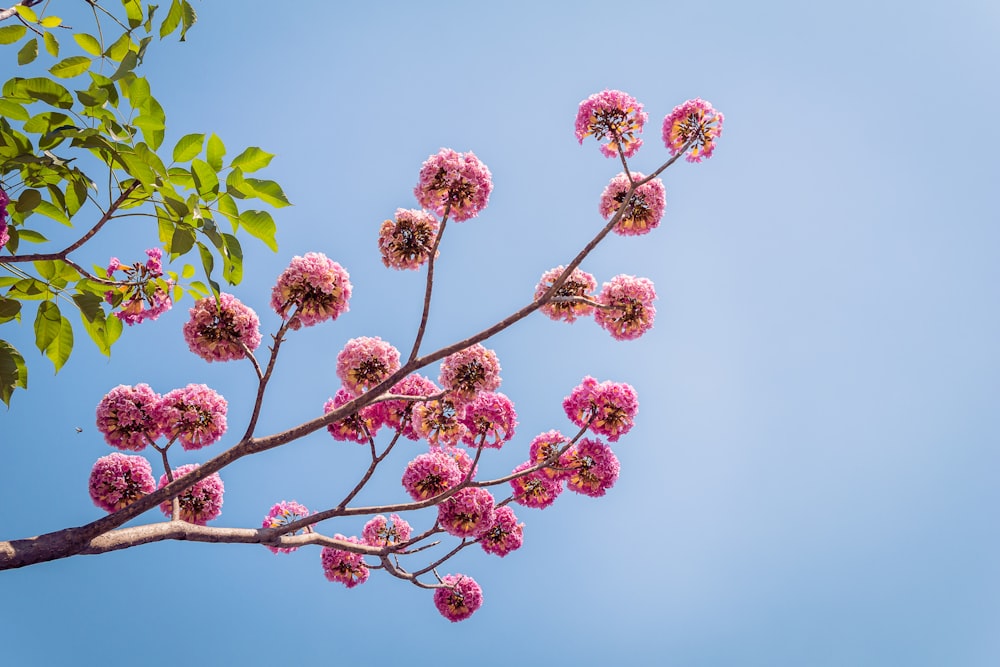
(79,430)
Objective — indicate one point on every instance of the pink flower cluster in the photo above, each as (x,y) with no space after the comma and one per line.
(358,427)
(454,183)
(593,467)
(611,115)
(505,535)
(643,210)
(579,284)
(459,598)
(627,309)
(222,330)
(282,514)
(346,567)
(311,290)
(132,417)
(431,474)
(693,121)
(588,467)
(398,413)
(606,408)
(141,294)
(407,241)
(201,502)
(535,489)
(118,480)
(545,447)
(4,234)
(364,362)
(467,372)
(489,419)
(439,422)
(379,532)
(468,513)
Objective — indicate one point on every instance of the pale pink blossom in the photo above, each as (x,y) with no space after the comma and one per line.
(643,210)
(201,502)
(606,408)
(505,535)
(489,420)
(611,115)
(379,532)
(142,294)
(282,514)
(407,241)
(346,567)
(695,121)
(311,290)
(627,309)
(358,427)
(366,361)
(460,597)
(194,415)
(126,416)
(430,474)
(468,513)
(578,284)
(454,183)
(593,467)
(118,480)
(470,371)
(219,330)
(4,234)
(535,489)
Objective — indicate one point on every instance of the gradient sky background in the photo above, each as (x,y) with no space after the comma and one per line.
(813,477)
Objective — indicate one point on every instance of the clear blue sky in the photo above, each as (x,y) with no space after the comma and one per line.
(813,477)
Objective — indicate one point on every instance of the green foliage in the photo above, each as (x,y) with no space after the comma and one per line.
(89,116)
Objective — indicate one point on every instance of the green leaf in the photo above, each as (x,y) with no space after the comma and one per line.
(260,225)
(60,349)
(70,67)
(50,211)
(172,20)
(181,241)
(12,110)
(227,207)
(13,371)
(119,48)
(129,62)
(205,179)
(137,168)
(152,122)
(233,260)
(51,44)
(133,10)
(216,151)
(268,191)
(48,324)
(9,308)
(88,43)
(28,52)
(188,147)
(28,289)
(28,201)
(45,90)
(137,91)
(252,159)
(12,33)
(90,306)
(46,269)
(26,13)
(31,236)
(51,22)
(188,17)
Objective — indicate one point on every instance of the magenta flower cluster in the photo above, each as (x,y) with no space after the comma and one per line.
(130,418)
(605,408)
(343,566)
(694,124)
(456,184)
(4,234)
(118,480)
(467,513)
(379,532)
(407,241)
(624,306)
(311,290)
(505,535)
(199,503)
(431,474)
(141,294)
(469,371)
(643,209)
(398,413)
(565,304)
(488,420)
(358,427)
(439,422)
(459,598)
(282,514)
(222,330)
(364,362)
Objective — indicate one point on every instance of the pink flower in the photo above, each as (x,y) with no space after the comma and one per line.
(201,502)
(460,597)
(612,115)
(358,427)
(544,448)
(195,415)
(430,474)
(364,362)
(456,183)
(578,284)
(398,413)
(468,513)
(608,408)
(311,290)
(627,307)
(490,418)
(644,209)
(694,121)
(505,535)
(380,533)
(594,467)
(463,460)
(142,294)
(126,416)
(346,567)
(117,481)
(407,241)
(282,514)
(470,371)
(439,422)
(4,235)
(535,489)
(218,331)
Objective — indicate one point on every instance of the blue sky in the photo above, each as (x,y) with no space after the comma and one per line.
(812,480)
